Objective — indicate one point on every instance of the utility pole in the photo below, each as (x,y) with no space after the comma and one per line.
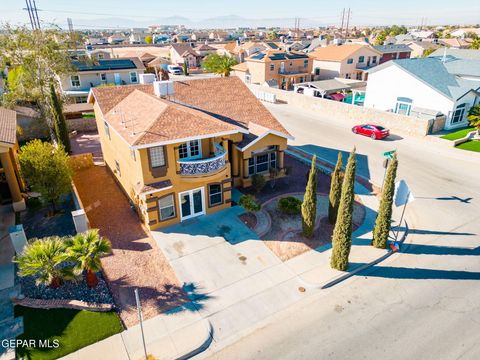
(348,21)
(32,14)
(343,19)
(73,37)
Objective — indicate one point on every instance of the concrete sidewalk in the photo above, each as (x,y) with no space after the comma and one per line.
(177,335)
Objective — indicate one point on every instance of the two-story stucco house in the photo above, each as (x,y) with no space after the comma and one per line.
(277,68)
(178,148)
(184,53)
(444,85)
(11,184)
(92,73)
(349,61)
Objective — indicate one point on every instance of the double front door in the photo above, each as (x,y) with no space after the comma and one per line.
(192,203)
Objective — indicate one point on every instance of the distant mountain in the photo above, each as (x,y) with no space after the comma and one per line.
(220,22)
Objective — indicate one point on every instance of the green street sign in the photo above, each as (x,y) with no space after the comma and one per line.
(389,154)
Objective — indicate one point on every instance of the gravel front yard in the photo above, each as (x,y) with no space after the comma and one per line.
(136,261)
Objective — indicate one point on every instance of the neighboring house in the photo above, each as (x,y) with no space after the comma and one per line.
(137,38)
(423,34)
(316,43)
(463,32)
(145,57)
(465,54)
(404,38)
(419,85)
(99,54)
(455,43)
(119,71)
(205,49)
(242,51)
(11,185)
(219,36)
(116,39)
(184,53)
(177,150)
(344,61)
(287,68)
(96,40)
(419,47)
(199,36)
(392,52)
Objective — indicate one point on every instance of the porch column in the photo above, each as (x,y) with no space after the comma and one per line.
(225,147)
(12,181)
(281,157)
(177,157)
(235,163)
(245,168)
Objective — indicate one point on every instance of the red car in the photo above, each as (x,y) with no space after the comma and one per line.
(373,131)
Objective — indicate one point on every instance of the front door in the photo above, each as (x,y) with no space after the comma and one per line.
(117,79)
(191,203)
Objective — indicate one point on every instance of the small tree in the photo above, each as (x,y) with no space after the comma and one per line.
(309,204)
(474,117)
(249,203)
(46,169)
(219,64)
(59,123)
(335,190)
(185,69)
(86,249)
(342,233)
(148,39)
(258,182)
(384,216)
(43,259)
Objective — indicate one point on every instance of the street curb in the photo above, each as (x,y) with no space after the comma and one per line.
(203,346)
(348,275)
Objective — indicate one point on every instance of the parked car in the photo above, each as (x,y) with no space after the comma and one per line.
(373,131)
(175,70)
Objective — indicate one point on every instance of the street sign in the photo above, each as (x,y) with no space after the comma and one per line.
(389,154)
(403,194)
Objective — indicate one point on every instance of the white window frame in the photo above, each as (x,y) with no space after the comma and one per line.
(76,80)
(252,163)
(361,59)
(136,77)
(189,147)
(461,108)
(157,160)
(103,76)
(210,194)
(192,213)
(272,67)
(172,205)
(400,103)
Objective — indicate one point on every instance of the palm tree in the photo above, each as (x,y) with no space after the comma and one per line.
(44,259)
(474,117)
(219,64)
(86,249)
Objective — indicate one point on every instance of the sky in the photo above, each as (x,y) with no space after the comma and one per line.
(325,12)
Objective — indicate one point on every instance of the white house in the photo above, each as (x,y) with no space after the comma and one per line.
(89,74)
(444,85)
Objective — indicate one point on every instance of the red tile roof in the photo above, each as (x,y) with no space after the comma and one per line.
(8,126)
(198,107)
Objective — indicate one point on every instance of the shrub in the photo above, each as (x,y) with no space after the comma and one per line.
(258,182)
(290,205)
(249,203)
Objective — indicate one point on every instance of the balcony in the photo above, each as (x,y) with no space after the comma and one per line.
(300,70)
(202,167)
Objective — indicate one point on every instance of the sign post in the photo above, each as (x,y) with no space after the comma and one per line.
(389,156)
(140,317)
(403,196)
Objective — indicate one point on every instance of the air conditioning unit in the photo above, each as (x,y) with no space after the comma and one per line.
(163,88)
(147,78)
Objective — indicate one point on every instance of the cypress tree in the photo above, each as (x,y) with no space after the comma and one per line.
(342,233)
(384,216)
(335,190)
(60,126)
(309,204)
(185,69)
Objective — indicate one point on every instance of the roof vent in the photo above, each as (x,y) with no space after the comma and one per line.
(163,88)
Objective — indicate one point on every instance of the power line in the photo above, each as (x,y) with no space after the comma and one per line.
(32,14)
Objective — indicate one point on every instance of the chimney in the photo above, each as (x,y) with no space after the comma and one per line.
(163,88)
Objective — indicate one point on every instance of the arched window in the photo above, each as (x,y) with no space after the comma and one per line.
(459,113)
(403,105)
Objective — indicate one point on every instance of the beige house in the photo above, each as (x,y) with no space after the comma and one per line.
(275,68)
(184,53)
(178,148)
(344,61)
(11,185)
(420,47)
